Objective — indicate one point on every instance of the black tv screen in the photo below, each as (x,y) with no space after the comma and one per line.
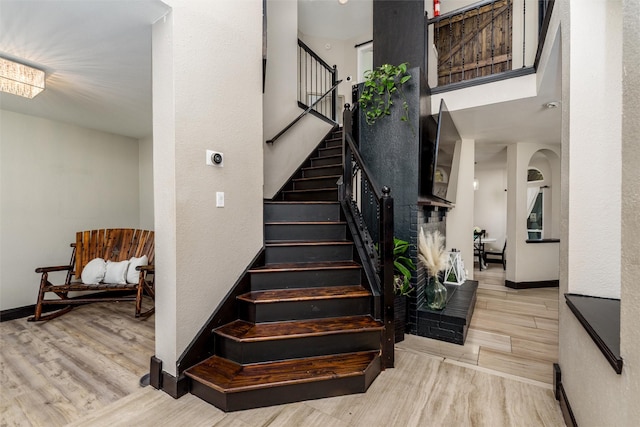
(445,164)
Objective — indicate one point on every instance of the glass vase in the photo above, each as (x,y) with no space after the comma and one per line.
(436,294)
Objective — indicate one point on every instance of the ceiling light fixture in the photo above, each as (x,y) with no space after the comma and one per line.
(19,79)
(343,1)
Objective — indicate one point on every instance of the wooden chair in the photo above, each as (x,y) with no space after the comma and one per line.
(478,246)
(497,257)
(117,244)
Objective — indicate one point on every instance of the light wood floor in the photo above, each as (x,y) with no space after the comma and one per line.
(512,331)
(83,368)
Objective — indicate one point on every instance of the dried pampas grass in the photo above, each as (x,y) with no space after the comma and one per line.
(431,251)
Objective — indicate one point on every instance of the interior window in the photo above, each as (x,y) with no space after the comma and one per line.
(535,204)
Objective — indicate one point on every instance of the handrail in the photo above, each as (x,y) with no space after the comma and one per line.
(314,55)
(373,214)
(314,76)
(304,113)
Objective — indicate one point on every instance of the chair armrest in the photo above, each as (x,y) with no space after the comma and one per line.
(146,268)
(50,269)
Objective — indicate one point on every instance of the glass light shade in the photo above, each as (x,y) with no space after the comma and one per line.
(19,79)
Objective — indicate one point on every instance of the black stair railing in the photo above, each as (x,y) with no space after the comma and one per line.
(317,88)
(369,209)
(304,113)
(315,77)
(479,40)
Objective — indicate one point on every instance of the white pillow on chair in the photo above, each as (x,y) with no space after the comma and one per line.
(93,273)
(132,274)
(116,272)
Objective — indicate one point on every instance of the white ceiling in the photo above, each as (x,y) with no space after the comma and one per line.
(96,55)
(328,18)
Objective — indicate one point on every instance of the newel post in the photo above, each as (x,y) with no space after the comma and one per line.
(386,260)
(347,169)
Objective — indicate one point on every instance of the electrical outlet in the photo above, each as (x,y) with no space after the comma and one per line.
(220,199)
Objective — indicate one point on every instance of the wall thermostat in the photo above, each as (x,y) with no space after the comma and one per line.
(215,158)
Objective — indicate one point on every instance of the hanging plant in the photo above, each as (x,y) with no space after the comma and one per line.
(379,86)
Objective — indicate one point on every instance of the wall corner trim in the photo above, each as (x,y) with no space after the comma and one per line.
(561,396)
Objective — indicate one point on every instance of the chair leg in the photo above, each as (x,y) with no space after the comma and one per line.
(51,315)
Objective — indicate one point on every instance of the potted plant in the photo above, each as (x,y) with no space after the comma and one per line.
(431,252)
(402,268)
(380,85)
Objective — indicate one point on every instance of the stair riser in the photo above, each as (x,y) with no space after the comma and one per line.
(333,143)
(278,395)
(304,232)
(302,310)
(275,212)
(325,161)
(313,173)
(304,279)
(330,151)
(312,196)
(295,348)
(308,253)
(329,182)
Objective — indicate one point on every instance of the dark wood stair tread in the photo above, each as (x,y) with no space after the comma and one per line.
(321,166)
(310,243)
(305,223)
(311,190)
(316,178)
(305,294)
(334,265)
(241,330)
(300,202)
(229,377)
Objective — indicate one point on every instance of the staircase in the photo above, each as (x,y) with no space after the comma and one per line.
(305,330)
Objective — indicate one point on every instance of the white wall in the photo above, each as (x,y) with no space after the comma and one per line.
(204,101)
(600,141)
(57,179)
(145,173)
(343,54)
(593,152)
(527,262)
(280,100)
(460,218)
(490,202)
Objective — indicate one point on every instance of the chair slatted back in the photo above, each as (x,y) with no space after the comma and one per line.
(113,244)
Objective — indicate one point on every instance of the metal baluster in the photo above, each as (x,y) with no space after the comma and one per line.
(450,49)
(478,42)
(492,39)
(462,47)
(509,35)
(438,44)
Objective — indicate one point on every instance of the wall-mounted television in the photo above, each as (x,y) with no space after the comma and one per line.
(441,158)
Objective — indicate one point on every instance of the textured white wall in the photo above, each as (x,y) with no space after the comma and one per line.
(490,203)
(280,105)
(145,172)
(601,143)
(527,262)
(57,179)
(460,218)
(593,172)
(207,90)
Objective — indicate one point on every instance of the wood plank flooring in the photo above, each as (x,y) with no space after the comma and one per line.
(513,332)
(83,369)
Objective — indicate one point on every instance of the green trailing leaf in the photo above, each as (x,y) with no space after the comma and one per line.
(380,84)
